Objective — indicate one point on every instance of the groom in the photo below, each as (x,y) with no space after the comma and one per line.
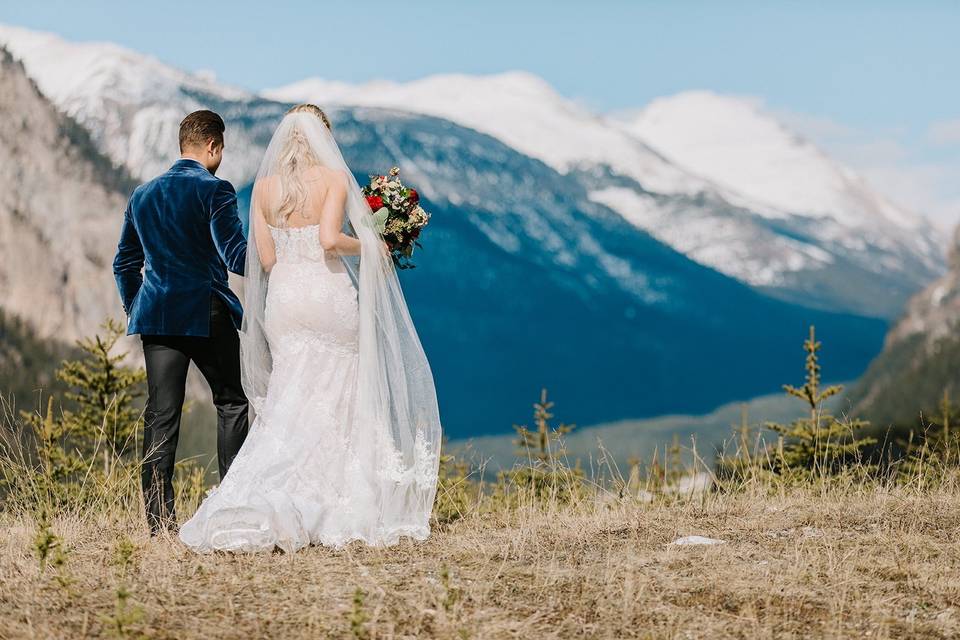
(182,230)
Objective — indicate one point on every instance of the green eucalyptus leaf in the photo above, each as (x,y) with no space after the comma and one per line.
(380,219)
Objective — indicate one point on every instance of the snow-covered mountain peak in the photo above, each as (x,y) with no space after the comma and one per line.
(131,103)
(453,89)
(518,108)
(72,71)
(735,143)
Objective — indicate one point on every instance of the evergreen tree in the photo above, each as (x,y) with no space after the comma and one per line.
(817,441)
(103,391)
(543,443)
(74,450)
(547,475)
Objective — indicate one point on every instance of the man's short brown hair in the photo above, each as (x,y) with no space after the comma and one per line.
(198,128)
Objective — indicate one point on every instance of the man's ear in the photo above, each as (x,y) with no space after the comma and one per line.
(213,147)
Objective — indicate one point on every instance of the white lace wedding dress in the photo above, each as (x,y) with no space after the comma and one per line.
(300,477)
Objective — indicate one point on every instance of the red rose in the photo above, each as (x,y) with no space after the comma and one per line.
(375,202)
(414,197)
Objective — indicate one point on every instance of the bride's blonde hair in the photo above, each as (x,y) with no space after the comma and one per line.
(295,158)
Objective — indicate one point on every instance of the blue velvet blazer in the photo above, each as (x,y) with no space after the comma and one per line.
(182,231)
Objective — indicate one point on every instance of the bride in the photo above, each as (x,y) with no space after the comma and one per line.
(345,439)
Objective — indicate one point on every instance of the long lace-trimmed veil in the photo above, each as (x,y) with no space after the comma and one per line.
(396,411)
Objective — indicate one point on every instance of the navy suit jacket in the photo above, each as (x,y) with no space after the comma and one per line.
(182,231)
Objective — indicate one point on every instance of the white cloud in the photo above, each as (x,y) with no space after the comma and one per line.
(944,132)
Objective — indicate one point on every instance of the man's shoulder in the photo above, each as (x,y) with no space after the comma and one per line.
(224,185)
(144,189)
(207,186)
(192,175)
(211,182)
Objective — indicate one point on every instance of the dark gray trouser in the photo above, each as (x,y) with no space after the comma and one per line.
(167,360)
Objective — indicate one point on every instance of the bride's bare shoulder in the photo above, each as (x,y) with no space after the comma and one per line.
(266,192)
(325,174)
(265,185)
(322,179)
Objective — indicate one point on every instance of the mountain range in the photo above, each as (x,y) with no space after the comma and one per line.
(716,177)
(555,256)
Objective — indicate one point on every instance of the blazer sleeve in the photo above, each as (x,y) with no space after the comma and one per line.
(128,263)
(226,229)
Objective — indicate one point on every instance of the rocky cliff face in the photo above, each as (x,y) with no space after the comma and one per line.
(60,206)
(921,355)
(934,312)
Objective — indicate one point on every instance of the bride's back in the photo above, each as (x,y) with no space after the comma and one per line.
(309,290)
(294,200)
(292,206)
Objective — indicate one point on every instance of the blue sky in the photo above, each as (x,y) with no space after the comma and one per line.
(873,82)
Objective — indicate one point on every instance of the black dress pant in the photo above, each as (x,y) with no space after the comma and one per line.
(167,360)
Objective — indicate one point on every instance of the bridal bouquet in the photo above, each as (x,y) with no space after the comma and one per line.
(397,215)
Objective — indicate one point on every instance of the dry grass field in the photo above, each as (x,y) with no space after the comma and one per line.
(851,560)
(815,541)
